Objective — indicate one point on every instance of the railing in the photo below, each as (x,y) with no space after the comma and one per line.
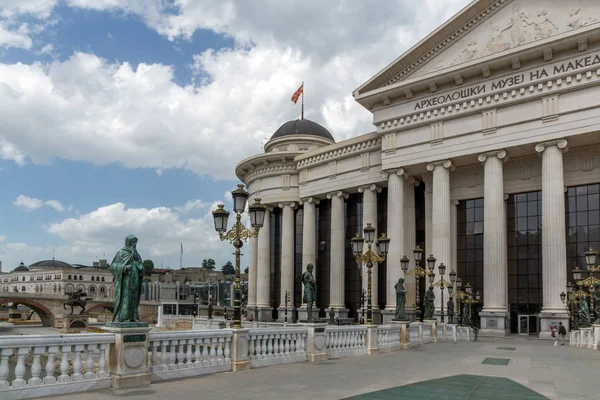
(346,340)
(388,337)
(273,346)
(187,353)
(34,366)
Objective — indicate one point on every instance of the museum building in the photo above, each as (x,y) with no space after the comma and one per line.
(469,161)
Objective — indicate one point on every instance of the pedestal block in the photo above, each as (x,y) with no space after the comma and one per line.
(316,346)
(494,324)
(372,345)
(303,314)
(431,324)
(596,335)
(404,333)
(419,325)
(128,355)
(75,323)
(239,354)
(387,316)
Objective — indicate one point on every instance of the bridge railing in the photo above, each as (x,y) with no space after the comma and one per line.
(346,340)
(35,366)
(272,346)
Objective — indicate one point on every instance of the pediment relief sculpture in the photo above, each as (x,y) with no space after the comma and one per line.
(517,24)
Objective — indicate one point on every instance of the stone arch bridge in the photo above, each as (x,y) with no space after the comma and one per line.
(49,307)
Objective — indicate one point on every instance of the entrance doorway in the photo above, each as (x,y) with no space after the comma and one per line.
(529,324)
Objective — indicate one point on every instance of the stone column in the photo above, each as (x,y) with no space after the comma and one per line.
(309,240)
(554,256)
(263,275)
(495,302)
(252,271)
(428,180)
(337,259)
(440,222)
(370,216)
(410,242)
(287,258)
(395,231)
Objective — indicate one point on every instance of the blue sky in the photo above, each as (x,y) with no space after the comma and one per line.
(129,116)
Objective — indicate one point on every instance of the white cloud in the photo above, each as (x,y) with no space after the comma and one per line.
(191,205)
(101,111)
(13,31)
(31,203)
(2,238)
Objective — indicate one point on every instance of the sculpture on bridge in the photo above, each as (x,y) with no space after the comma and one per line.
(310,290)
(400,300)
(596,295)
(450,306)
(584,314)
(128,272)
(76,300)
(429,303)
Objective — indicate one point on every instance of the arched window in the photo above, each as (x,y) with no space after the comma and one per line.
(74,277)
(69,277)
(23,289)
(93,279)
(55,287)
(102,279)
(80,277)
(69,288)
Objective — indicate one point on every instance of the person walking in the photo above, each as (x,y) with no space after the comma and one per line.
(561,333)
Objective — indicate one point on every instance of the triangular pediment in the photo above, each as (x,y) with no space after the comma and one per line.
(484,28)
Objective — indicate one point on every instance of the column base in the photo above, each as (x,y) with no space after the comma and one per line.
(265,314)
(548,319)
(281,314)
(494,323)
(387,316)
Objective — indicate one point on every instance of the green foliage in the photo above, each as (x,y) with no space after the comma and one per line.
(208,264)
(148,267)
(246,270)
(228,268)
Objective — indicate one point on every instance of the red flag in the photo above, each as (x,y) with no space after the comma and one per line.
(298,93)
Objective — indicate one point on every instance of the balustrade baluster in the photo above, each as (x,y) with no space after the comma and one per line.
(154,356)
(4,356)
(172,354)
(252,347)
(276,345)
(220,350)
(263,346)
(205,346)
(77,375)
(20,368)
(189,363)
(197,353)
(213,351)
(64,364)
(36,366)
(227,353)
(102,373)
(89,362)
(287,344)
(49,378)
(180,353)
(270,340)
(163,355)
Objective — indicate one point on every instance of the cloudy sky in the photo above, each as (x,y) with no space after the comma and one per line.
(129,116)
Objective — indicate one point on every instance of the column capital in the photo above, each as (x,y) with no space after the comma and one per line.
(373,187)
(397,171)
(288,203)
(444,163)
(454,202)
(308,200)
(338,193)
(560,143)
(501,154)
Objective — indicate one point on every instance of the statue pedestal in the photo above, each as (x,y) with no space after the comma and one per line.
(303,314)
(431,324)
(128,355)
(404,333)
(75,323)
(316,348)
(596,333)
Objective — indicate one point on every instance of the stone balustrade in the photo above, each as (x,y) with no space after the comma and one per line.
(179,354)
(273,346)
(388,337)
(347,340)
(53,364)
(586,337)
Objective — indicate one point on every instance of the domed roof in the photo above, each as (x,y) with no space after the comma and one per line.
(50,264)
(302,127)
(21,268)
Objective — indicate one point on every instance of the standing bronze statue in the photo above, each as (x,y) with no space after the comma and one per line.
(584,314)
(450,306)
(465,314)
(77,299)
(128,272)
(429,303)
(400,300)
(310,290)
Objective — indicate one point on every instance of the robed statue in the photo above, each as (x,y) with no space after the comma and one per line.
(450,306)
(584,314)
(429,303)
(310,290)
(400,300)
(465,314)
(128,272)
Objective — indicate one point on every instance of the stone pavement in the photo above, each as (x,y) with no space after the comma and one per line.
(557,372)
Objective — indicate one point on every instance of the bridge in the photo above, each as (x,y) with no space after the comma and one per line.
(49,307)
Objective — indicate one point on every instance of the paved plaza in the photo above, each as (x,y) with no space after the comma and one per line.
(556,372)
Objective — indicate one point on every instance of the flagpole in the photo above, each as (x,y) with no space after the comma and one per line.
(181,256)
(302,100)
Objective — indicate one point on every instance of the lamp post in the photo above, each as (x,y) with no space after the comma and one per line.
(195,311)
(237,235)
(591,281)
(442,284)
(418,273)
(363,301)
(370,258)
(460,295)
(471,299)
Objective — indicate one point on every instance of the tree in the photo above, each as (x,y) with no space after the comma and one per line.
(228,268)
(246,271)
(148,267)
(208,264)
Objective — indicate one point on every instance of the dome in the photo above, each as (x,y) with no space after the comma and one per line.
(50,264)
(302,127)
(21,268)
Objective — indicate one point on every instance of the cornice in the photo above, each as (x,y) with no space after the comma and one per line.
(370,142)
(269,171)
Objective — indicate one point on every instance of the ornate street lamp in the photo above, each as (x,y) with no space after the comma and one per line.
(431,262)
(442,284)
(370,258)
(590,282)
(418,273)
(590,258)
(237,235)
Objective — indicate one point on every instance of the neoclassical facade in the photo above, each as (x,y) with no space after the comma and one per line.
(486,154)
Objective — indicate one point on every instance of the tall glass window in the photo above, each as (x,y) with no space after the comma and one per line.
(583,224)
(419,234)
(470,243)
(381,228)
(298,230)
(352,278)
(323,268)
(524,230)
